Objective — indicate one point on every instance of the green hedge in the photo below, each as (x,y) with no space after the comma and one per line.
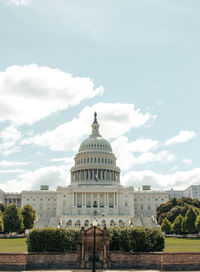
(136,239)
(128,239)
(53,240)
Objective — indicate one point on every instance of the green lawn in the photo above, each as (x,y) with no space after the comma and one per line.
(171,245)
(13,245)
(182,245)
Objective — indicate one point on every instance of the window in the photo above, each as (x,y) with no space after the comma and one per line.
(88,204)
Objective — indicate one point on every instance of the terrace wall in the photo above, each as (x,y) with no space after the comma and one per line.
(159,260)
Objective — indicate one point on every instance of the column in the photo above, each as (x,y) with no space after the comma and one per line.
(98,204)
(115,199)
(81,199)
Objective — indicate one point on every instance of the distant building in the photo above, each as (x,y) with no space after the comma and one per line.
(175,193)
(193,191)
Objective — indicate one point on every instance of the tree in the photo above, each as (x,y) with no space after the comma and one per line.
(1,223)
(166,226)
(13,220)
(175,211)
(188,225)
(29,216)
(172,208)
(177,225)
(2,207)
(197,224)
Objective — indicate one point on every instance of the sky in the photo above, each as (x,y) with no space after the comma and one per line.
(135,62)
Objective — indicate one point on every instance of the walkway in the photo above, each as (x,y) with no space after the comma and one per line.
(98,270)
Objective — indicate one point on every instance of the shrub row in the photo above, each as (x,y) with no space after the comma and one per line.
(136,239)
(53,240)
(128,239)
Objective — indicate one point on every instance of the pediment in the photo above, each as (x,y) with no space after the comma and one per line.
(91,230)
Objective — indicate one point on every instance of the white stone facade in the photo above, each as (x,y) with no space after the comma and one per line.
(95,191)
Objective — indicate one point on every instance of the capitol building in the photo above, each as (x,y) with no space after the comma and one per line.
(95,191)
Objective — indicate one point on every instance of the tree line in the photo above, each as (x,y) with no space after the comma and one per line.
(13,219)
(179,216)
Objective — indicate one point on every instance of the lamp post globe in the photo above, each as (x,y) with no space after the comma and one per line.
(94,224)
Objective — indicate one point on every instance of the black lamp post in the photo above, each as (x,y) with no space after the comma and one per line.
(94,223)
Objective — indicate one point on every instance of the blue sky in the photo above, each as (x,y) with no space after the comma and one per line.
(135,62)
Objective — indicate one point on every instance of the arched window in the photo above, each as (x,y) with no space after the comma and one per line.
(112,222)
(69,223)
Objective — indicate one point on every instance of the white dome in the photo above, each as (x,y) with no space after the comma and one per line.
(95,163)
(95,143)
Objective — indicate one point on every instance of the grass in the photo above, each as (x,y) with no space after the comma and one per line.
(182,245)
(171,245)
(13,245)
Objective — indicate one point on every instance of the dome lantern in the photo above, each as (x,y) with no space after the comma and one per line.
(95,127)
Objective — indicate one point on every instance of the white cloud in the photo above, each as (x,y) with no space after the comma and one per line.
(139,146)
(178,180)
(32,180)
(19,2)
(66,160)
(114,119)
(30,93)
(12,163)
(8,148)
(10,133)
(182,137)
(127,152)
(9,136)
(12,171)
(187,162)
